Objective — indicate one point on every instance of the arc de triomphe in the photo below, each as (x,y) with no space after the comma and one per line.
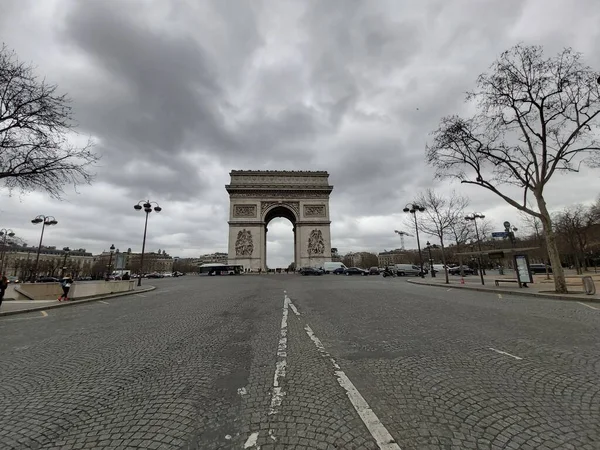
(258,196)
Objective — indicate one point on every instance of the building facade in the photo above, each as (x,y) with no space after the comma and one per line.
(105,262)
(217,257)
(389,258)
(20,262)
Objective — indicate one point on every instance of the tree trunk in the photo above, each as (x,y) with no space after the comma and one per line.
(560,285)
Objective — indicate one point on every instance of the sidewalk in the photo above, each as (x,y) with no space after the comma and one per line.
(541,287)
(11,307)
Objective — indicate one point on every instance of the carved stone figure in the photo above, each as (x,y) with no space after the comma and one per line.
(316,244)
(244,211)
(243,243)
(314,211)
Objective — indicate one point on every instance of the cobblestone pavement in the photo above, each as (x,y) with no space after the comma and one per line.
(290,362)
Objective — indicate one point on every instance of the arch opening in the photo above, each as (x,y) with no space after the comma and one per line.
(280,238)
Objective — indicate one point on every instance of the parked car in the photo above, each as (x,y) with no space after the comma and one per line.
(47,280)
(339,271)
(540,268)
(457,269)
(355,271)
(310,271)
(374,271)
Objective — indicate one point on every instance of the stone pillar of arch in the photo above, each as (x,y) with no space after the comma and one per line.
(258,196)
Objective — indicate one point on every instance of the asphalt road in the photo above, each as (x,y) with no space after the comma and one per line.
(291,362)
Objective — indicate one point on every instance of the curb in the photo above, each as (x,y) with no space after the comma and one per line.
(76,302)
(503,291)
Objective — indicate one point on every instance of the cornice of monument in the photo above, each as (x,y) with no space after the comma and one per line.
(297,173)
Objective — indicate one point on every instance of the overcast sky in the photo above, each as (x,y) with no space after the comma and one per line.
(178,93)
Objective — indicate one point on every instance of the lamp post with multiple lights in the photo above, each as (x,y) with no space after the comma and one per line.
(413,208)
(108,272)
(45,221)
(147,206)
(429,246)
(4,233)
(473,217)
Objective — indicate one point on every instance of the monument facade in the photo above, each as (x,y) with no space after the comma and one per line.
(258,196)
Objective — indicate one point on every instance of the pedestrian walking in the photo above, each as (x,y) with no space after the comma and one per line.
(3,287)
(65,283)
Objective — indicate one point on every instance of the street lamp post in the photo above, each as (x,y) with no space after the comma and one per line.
(429,246)
(413,208)
(45,221)
(67,250)
(4,233)
(112,250)
(147,205)
(474,217)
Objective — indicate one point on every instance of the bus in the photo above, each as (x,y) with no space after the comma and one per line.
(220,269)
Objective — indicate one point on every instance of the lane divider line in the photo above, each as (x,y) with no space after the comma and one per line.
(505,353)
(378,431)
(589,306)
(292,306)
(281,364)
(251,441)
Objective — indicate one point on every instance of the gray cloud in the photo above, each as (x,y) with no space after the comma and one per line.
(177,94)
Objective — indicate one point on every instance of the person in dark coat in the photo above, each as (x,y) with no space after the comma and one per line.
(66,284)
(3,287)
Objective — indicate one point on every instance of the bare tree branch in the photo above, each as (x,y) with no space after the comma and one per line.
(36,128)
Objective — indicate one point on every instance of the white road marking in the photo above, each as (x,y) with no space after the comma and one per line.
(44,314)
(251,441)
(504,353)
(384,439)
(294,309)
(272,435)
(140,295)
(589,306)
(281,364)
(499,295)
(102,301)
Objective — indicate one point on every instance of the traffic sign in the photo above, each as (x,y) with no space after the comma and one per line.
(499,234)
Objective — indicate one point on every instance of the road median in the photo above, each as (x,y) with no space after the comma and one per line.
(523,292)
(71,302)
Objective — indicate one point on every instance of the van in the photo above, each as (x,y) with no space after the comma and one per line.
(329,267)
(407,270)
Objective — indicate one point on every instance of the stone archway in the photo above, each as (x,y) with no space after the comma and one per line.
(258,196)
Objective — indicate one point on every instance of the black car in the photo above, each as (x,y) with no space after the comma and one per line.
(456,270)
(374,271)
(310,271)
(539,268)
(47,280)
(338,271)
(355,271)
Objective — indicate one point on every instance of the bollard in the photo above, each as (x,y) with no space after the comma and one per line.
(588,285)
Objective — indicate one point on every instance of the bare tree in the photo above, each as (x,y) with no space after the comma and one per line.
(536,117)
(36,123)
(574,224)
(441,217)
